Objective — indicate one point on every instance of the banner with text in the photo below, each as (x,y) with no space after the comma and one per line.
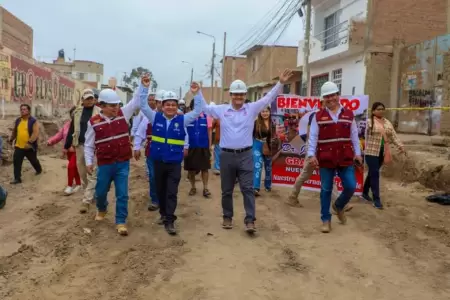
(289,156)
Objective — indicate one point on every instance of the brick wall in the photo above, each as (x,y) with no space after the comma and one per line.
(16,35)
(410,21)
(378,77)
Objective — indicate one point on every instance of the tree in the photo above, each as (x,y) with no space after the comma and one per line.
(134,78)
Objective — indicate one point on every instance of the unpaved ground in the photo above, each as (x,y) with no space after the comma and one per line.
(48,251)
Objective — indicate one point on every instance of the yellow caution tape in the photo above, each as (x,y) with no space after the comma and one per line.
(418,108)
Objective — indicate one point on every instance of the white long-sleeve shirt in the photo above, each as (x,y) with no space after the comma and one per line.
(314,134)
(141,135)
(236,126)
(89,144)
(136,121)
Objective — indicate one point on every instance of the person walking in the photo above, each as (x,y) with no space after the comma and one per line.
(107,138)
(236,141)
(76,139)
(73,178)
(198,158)
(379,135)
(144,133)
(216,143)
(26,134)
(262,154)
(334,147)
(167,149)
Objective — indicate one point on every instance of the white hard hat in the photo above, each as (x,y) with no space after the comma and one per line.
(328,88)
(212,103)
(151,93)
(109,96)
(238,86)
(181,101)
(170,96)
(159,95)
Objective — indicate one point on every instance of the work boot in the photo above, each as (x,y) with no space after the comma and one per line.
(250,227)
(340,214)
(170,228)
(122,229)
(326,227)
(100,216)
(84,207)
(347,208)
(227,223)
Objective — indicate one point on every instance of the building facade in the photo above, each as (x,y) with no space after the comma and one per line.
(263,65)
(15,34)
(89,72)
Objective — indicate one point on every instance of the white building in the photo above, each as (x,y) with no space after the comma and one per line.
(336,53)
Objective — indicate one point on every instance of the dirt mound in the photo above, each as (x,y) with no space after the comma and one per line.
(429,168)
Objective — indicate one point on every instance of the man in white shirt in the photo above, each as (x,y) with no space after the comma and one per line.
(236,140)
(334,147)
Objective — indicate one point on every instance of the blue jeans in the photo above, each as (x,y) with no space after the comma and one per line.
(258,160)
(118,173)
(347,176)
(152,182)
(217,157)
(372,181)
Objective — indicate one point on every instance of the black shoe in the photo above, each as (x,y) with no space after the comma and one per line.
(38,173)
(170,228)
(153,207)
(16,181)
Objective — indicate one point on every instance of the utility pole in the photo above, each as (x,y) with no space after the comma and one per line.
(212,70)
(305,72)
(180,92)
(192,74)
(223,66)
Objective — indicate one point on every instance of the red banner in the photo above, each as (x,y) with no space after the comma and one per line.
(32,82)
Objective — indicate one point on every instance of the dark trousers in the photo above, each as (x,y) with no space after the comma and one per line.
(19,155)
(167,178)
(372,181)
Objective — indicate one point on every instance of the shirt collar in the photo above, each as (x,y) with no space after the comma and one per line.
(338,111)
(243,108)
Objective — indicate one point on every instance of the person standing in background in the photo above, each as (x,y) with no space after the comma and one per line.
(76,138)
(380,133)
(262,154)
(26,134)
(73,178)
(198,158)
(216,142)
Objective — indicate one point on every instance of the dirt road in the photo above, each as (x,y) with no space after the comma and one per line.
(48,251)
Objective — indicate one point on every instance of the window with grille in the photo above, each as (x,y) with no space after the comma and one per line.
(316,84)
(336,77)
(331,34)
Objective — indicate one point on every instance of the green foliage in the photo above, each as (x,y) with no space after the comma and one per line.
(133,79)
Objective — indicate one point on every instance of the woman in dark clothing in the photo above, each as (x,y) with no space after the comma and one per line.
(262,154)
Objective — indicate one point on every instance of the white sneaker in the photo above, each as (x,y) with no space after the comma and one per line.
(68,190)
(76,188)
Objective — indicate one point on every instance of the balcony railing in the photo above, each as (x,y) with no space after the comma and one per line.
(337,34)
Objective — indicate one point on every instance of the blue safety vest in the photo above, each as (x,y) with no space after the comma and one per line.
(168,143)
(198,133)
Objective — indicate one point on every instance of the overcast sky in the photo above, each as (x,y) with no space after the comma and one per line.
(157,34)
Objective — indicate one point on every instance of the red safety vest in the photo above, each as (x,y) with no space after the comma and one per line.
(149,139)
(334,145)
(112,140)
